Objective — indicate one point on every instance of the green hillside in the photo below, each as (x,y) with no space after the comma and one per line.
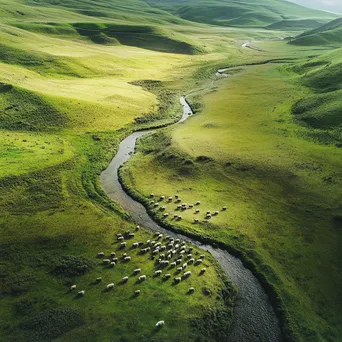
(322,109)
(239,13)
(328,34)
(296,24)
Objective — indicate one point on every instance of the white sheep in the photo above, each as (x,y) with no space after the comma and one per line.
(127,258)
(158,273)
(137,270)
(142,278)
(112,255)
(99,279)
(100,255)
(106,261)
(73,287)
(120,238)
(125,279)
(184,265)
(203,270)
(179,269)
(187,274)
(137,227)
(189,255)
(216,212)
(178,280)
(156,204)
(165,215)
(131,235)
(196,220)
(198,202)
(110,286)
(199,261)
(191,289)
(179,217)
(162,198)
(191,206)
(160,324)
(112,264)
(115,259)
(197,211)
(191,261)
(173,264)
(135,245)
(208,216)
(123,244)
(151,195)
(81,293)
(170,199)
(176,196)
(208,212)
(177,241)
(167,276)
(202,256)
(137,292)
(148,242)
(224,208)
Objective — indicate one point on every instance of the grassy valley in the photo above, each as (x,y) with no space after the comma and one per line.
(77,77)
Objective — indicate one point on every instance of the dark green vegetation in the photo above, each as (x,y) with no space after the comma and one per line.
(77,77)
(328,34)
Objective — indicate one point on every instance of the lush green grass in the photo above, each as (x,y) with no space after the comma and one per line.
(296,24)
(245,151)
(328,34)
(239,13)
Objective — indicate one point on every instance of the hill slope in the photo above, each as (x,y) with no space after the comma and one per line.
(237,12)
(330,33)
(323,108)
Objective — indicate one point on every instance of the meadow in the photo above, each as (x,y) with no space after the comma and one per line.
(77,77)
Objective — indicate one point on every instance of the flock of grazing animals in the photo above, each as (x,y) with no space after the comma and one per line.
(182,207)
(167,252)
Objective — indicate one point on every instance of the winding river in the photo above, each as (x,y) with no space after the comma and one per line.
(254,318)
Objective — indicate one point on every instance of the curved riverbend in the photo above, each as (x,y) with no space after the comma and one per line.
(254,318)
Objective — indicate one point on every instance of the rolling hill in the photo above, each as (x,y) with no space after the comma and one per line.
(328,34)
(239,13)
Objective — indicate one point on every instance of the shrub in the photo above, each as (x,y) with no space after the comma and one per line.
(70,266)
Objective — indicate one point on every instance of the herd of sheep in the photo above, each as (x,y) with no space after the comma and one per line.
(182,207)
(168,253)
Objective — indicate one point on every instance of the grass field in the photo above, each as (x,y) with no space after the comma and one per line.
(76,77)
(281,182)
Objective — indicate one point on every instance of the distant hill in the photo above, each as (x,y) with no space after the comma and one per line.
(322,109)
(296,24)
(330,33)
(239,12)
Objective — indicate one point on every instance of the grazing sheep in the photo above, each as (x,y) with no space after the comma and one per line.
(170,199)
(177,280)
(191,206)
(148,242)
(160,324)
(100,255)
(73,287)
(112,255)
(110,286)
(148,249)
(112,264)
(196,220)
(158,243)
(135,245)
(143,251)
(167,276)
(106,261)
(177,241)
(162,208)
(124,255)
(166,262)
(198,202)
(224,208)
(165,215)
(179,269)
(189,255)
(157,273)
(187,274)
(115,259)
(173,264)
(160,236)
(182,248)
(151,195)
(162,248)
(81,293)
(183,243)
(181,252)
(202,256)
(177,246)
(199,261)
(123,245)
(156,251)
(197,211)
(156,204)
(140,243)
(191,290)
(120,238)
(178,261)
(208,212)
(152,202)
(208,216)
(153,243)
(169,256)
(190,249)
(127,258)
(137,270)
(216,213)
(137,227)
(191,261)
(184,265)
(162,256)
(179,217)
(131,235)
(176,196)
(118,234)
(125,279)
(137,292)
(203,270)
(179,207)
(178,200)
(142,278)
